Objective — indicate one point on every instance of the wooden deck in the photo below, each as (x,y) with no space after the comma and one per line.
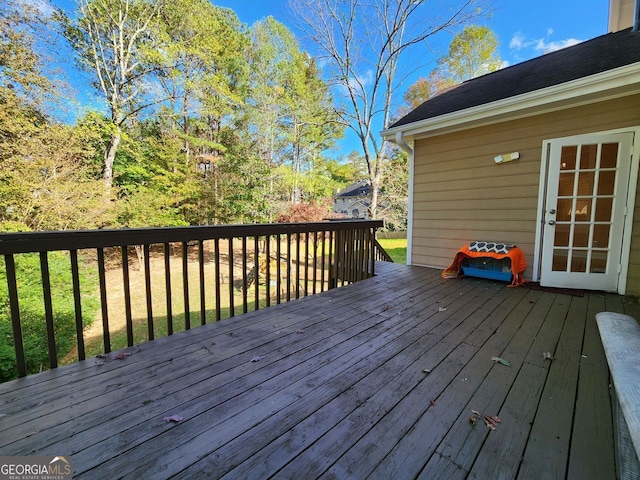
(337,385)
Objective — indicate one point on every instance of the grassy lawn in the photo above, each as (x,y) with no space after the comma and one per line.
(396,247)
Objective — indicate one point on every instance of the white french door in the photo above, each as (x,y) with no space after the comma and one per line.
(584,214)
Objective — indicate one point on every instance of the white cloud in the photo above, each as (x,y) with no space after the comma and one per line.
(547,47)
(519,42)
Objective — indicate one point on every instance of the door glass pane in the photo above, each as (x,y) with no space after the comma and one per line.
(579,261)
(585,183)
(565,188)
(609,155)
(568,158)
(581,235)
(588,156)
(562,235)
(563,213)
(559,260)
(603,209)
(601,235)
(599,262)
(606,182)
(583,210)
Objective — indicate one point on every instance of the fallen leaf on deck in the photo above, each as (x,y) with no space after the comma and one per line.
(442,309)
(257,358)
(300,331)
(122,356)
(547,356)
(501,360)
(491,422)
(386,307)
(426,370)
(173,418)
(101,355)
(432,402)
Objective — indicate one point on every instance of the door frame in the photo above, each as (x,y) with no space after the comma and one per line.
(630,203)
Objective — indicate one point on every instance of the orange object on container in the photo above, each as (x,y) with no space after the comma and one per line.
(518,263)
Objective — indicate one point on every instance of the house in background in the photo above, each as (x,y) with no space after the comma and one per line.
(544,155)
(354,200)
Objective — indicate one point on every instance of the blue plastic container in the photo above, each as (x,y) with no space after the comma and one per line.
(487,267)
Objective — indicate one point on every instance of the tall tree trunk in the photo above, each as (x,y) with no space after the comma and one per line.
(109,158)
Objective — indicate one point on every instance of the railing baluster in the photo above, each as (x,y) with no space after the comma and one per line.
(106,335)
(216,260)
(147,290)
(16,324)
(127,295)
(48,310)
(297,265)
(245,294)
(185,286)
(77,302)
(167,286)
(278,268)
(372,235)
(231,306)
(288,267)
(306,263)
(332,261)
(203,307)
(256,266)
(359,255)
(315,260)
(267,282)
(323,236)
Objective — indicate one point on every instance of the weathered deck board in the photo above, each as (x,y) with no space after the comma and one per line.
(341,390)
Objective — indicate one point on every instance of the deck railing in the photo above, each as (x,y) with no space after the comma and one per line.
(222,270)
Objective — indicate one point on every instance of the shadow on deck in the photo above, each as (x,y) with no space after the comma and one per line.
(377,379)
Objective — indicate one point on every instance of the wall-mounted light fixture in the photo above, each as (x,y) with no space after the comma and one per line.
(507,157)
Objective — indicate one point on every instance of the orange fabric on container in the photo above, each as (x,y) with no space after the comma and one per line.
(518,263)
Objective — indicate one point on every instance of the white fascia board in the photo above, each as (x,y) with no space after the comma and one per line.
(610,84)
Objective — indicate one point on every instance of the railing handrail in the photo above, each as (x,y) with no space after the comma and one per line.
(48,241)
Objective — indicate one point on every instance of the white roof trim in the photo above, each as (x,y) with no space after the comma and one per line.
(610,84)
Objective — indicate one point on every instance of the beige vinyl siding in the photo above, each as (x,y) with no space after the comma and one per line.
(461,194)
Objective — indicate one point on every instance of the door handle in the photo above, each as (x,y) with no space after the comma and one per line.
(552,222)
(552,211)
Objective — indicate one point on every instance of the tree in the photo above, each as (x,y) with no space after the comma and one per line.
(204,69)
(114,40)
(473,52)
(363,43)
(291,111)
(45,183)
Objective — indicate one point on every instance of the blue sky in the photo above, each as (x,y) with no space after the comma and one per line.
(525,29)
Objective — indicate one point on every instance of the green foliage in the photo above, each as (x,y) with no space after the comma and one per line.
(32,315)
(473,52)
